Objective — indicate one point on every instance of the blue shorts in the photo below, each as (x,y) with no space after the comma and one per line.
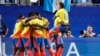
(17,42)
(47,43)
(61,28)
(58,40)
(38,43)
(27,42)
(64,28)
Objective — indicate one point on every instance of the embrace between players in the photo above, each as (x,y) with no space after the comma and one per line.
(33,33)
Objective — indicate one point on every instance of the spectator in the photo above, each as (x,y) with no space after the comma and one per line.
(3,28)
(81,2)
(68,34)
(90,32)
(3,32)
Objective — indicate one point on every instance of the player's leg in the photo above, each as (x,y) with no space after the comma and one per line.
(28,46)
(59,50)
(21,48)
(42,47)
(59,45)
(47,45)
(29,51)
(36,44)
(16,45)
(15,51)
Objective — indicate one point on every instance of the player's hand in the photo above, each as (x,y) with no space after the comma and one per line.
(11,35)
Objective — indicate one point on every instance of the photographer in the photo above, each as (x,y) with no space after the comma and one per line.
(83,34)
(90,32)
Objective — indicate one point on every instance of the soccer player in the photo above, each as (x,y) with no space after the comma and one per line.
(61,22)
(46,35)
(16,36)
(38,41)
(26,34)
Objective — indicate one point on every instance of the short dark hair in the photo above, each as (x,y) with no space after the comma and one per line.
(33,14)
(61,4)
(20,16)
(89,25)
(30,14)
(68,30)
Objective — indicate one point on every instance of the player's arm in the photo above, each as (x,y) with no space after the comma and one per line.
(46,25)
(33,24)
(37,26)
(26,23)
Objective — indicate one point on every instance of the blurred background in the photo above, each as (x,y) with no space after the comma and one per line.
(40,2)
(81,14)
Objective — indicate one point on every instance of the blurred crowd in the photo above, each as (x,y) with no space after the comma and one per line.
(88,33)
(40,2)
(85,2)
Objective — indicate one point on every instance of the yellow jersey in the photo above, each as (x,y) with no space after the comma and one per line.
(57,21)
(17,30)
(45,32)
(63,15)
(26,31)
(37,32)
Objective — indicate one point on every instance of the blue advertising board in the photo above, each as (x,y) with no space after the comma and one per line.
(72,47)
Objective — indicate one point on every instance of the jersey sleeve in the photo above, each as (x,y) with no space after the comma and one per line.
(31,22)
(57,13)
(57,21)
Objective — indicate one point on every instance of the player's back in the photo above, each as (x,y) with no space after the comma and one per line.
(26,30)
(17,29)
(45,24)
(38,31)
(63,15)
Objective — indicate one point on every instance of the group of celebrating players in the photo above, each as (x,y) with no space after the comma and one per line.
(33,33)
